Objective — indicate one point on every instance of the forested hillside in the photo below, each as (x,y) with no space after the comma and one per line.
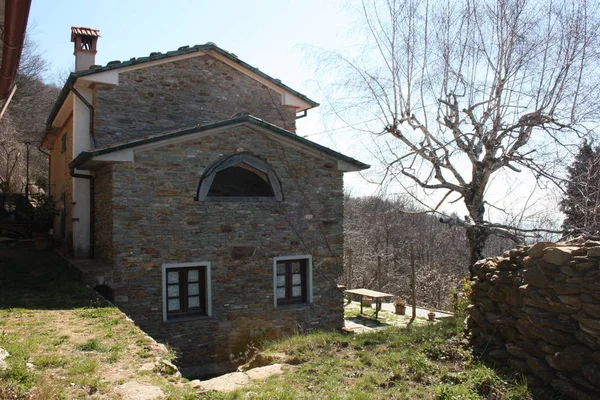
(378,236)
(23,122)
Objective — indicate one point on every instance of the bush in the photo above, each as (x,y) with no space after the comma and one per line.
(461,300)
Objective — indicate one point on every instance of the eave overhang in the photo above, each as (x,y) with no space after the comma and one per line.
(90,160)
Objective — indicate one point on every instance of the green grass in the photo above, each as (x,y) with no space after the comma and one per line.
(64,341)
(76,346)
(425,362)
(352,312)
(93,345)
(52,360)
(17,376)
(82,365)
(42,279)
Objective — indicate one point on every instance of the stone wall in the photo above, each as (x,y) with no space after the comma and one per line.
(181,94)
(155,221)
(103,214)
(536,310)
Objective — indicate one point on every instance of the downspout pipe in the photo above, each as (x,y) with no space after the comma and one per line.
(92,113)
(91,179)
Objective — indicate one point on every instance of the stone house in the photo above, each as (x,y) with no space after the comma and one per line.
(210,221)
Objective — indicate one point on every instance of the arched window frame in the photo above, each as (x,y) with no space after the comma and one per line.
(207,178)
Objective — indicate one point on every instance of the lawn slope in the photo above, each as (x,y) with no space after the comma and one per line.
(67,343)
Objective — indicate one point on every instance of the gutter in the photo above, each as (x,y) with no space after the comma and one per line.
(15,24)
(92,217)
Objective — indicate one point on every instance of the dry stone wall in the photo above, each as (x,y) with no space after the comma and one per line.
(536,309)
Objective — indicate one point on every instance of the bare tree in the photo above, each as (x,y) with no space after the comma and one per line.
(460,91)
(24,122)
(9,162)
(388,238)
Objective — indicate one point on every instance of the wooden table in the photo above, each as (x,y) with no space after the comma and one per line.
(378,296)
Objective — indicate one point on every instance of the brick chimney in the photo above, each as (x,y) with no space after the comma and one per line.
(85,40)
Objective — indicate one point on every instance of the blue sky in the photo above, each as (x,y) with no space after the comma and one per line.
(268,34)
(274,36)
(280,37)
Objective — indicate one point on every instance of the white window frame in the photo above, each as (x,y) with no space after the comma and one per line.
(309,276)
(166,267)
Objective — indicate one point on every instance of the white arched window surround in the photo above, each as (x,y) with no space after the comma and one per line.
(207,178)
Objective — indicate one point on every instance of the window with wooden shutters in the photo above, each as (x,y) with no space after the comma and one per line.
(186,290)
(292,280)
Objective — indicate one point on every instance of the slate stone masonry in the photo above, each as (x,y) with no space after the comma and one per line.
(181,94)
(103,214)
(153,220)
(537,309)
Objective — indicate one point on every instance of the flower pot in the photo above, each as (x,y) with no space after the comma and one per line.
(431,316)
(367,301)
(400,310)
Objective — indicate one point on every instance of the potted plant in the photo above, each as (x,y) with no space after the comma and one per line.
(44,211)
(367,301)
(400,306)
(431,316)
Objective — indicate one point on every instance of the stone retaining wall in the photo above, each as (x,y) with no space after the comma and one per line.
(536,310)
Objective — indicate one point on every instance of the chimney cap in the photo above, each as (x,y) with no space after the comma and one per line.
(83,31)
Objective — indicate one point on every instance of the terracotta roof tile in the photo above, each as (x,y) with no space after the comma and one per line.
(83,31)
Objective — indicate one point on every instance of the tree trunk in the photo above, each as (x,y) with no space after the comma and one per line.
(349,266)
(379,274)
(477,234)
(413,287)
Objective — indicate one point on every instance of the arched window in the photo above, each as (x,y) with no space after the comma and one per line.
(239,177)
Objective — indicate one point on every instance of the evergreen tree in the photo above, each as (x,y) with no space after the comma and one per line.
(581,202)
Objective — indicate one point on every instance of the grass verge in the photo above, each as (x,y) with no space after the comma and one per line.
(426,362)
(64,341)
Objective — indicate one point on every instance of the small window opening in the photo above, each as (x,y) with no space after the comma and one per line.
(240,181)
(292,280)
(86,42)
(186,290)
(239,177)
